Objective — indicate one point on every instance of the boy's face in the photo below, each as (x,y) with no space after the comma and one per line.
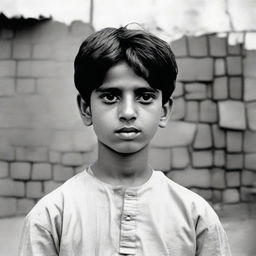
(125,111)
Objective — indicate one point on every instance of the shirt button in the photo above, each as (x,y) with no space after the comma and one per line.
(128,218)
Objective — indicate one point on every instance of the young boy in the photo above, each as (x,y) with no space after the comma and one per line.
(119,205)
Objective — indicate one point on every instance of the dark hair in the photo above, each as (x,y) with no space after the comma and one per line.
(149,57)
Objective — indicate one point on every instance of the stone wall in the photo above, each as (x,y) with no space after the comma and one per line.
(209,145)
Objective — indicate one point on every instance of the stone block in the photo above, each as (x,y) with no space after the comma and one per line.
(233,179)
(250,142)
(18,189)
(234,49)
(192,111)
(43,51)
(80,29)
(41,171)
(160,159)
(197,46)
(250,161)
(62,173)
(232,115)
(219,67)
(251,115)
(7,68)
(250,64)
(234,141)
(249,89)
(7,86)
(248,178)
(195,91)
(203,137)
(178,109)
(219,158)
(5,49)
(8,207)
(180,158)
(49,186)
(7,153)
(234,161)
(231,195)
(34,189)
(248,194)
(26,85)
(200,178)
(20,170)
(21,50)
(177,133)
(218,46)
(6,187)
(208,111)
(220,88)
(198,69)
(205,193)
(7,33)
(73,159)
(234,65)
(54,157)
(4,169)
(38,154)
(235,88)
(179,47)
(216,196)
(179,90)
(218,178)
(202,159)
(24,206)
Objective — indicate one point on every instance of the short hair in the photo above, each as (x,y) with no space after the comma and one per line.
(149,56)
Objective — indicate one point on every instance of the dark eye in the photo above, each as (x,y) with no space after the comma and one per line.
(109,98)
(146,98)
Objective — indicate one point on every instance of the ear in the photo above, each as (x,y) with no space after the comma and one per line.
(85,110)
(166,112)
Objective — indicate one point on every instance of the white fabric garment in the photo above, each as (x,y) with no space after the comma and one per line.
(86,217)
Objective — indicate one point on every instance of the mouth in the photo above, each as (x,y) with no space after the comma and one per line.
(127,132)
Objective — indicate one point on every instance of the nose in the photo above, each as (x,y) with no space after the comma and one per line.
(127,109)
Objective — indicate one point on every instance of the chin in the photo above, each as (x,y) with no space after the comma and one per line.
(131,149)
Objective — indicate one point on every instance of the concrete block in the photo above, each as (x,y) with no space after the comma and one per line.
(216,196)
(179,90)
(43,51)
(232,115)
(18,189)
(33,154)
(234,161)
(7,33)
(248,178)
(199,69)
(49,186)
(73,159)
(80,29)
(200,178)
(24,206)
(218,178)
(177,133)
(208,111)
(219,158)
(235,88)
(234,49)
(218,46)
(231,195)
(234,141)
(20,170)
(34,189)
(234,65)
(205,193)
(6,187)
(179,47)
(8,207)
(7,86)
(219,67)
(180,158)
(202,159)
(62,173)
(7,153)
(203,137)
(249,89)
(195,91)
(54,157)
(26,85)
(220,88)
(250,64)
(160,159)
(7,68)
(197,46)
(251,115)
(250,161)
(41,171)
(21,50)
(248,194)
(4,169)
(233,179)
(249,142)
(178,109)
(5,49)
(192,111)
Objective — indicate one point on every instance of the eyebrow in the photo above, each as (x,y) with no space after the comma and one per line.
(118,91)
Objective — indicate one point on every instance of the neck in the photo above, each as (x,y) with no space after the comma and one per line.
(122,169)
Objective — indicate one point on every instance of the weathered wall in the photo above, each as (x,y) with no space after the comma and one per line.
(209,145)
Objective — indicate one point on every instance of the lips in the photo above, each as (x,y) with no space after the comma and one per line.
(127,130)
(128,133)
